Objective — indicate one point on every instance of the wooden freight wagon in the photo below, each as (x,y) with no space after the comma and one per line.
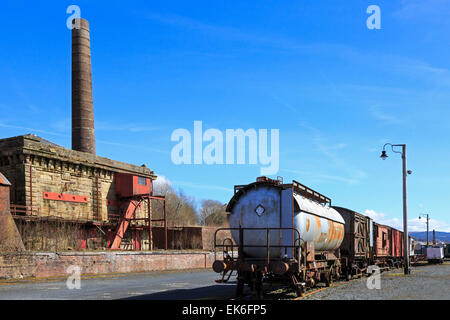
(396,243)
(355,249)
(381,243)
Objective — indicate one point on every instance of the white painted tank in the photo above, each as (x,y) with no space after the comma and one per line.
(261,205)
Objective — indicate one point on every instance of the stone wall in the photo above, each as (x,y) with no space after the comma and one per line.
(208,237)
(16,265)
(55,264)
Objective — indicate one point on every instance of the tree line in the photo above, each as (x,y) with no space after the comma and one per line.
(181,208)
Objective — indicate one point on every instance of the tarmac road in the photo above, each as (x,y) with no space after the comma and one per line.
(196,284)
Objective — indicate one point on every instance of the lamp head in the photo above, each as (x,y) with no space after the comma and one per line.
(383,155)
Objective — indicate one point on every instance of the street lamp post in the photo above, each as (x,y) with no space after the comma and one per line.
(428,223)
(405,205)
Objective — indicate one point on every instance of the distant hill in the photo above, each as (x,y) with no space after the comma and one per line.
(422,236)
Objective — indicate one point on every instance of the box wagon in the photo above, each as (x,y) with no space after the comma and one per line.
(396,246)
(381,242)
(355,248)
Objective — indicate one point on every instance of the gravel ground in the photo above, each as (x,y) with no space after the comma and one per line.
(424,282)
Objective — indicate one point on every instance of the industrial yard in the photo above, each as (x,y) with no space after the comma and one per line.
(124,203)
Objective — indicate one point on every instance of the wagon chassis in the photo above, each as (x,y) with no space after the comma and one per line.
(298,272)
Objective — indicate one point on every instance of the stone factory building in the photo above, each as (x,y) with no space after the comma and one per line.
(63,198)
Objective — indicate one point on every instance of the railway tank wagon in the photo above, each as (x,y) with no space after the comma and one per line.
(283,232)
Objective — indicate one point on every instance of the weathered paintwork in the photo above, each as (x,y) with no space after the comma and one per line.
(356,243)
(318,224)
(396,243)
(269,206)
(382,241)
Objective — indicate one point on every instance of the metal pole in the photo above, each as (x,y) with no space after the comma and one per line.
(149,209)
(405,214)
(427,227)
(165,224)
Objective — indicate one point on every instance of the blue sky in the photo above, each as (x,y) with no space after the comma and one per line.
(336,90)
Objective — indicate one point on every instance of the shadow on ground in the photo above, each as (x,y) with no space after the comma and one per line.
(214,292)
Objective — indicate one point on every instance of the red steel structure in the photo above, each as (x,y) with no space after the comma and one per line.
(132,191)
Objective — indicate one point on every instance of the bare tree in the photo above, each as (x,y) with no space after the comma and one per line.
(212,213)
(180,208)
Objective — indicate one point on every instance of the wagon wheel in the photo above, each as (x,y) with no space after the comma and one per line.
(300,291)
(348,275)
(259,292)
(240,288)
(328,279)
(299,288)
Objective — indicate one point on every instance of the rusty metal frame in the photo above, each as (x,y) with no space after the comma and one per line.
(148,219)
(240,246)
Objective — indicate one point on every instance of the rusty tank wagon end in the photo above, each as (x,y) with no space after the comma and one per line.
(282,233)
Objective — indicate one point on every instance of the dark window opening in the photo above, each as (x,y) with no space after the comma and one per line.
(142,181)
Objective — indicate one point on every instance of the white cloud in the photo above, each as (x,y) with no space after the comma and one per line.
(414,224)
(374,215)
(384,117)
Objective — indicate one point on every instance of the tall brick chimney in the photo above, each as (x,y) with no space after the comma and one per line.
(83,132)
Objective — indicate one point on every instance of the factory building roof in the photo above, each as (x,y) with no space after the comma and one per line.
(31,144)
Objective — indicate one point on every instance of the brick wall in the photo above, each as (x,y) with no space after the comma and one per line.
(55,264)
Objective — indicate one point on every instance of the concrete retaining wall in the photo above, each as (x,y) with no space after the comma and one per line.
(55,264)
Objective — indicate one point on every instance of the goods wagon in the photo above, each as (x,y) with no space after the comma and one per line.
(396,244)
(355,249)
(284,233)
(381,243)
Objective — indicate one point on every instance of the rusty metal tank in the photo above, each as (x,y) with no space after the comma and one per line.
(271,205)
